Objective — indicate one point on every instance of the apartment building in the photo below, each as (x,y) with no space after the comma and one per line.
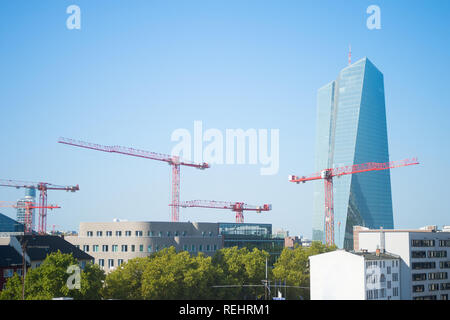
(113,243)
(344,275)
(424,252)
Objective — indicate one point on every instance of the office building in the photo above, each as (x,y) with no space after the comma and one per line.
(351,129)
(425,258)
(30,198)
(343,275)
(252,235)
(114,243)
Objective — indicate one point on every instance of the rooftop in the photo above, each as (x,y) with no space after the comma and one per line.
(376,256)
(38,246)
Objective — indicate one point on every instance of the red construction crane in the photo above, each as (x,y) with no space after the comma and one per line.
(328,174)
(174,161)
(237,207)
(28,206)
(42,187)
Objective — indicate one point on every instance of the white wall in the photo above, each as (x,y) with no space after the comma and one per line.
(396,243)
(337,275)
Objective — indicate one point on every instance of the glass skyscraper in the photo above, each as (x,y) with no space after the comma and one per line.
(351,129)
(30,197)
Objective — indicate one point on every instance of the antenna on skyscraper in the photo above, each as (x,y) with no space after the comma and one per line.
(349,54)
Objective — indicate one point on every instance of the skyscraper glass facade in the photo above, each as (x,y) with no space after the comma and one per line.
(351,129)
(30,197)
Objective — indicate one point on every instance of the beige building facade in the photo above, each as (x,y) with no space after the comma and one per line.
(114,243)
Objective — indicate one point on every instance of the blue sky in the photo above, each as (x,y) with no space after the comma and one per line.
(138,70)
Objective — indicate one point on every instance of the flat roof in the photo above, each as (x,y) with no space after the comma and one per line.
(375,256)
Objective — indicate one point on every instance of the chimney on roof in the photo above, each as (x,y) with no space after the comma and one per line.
(382,240)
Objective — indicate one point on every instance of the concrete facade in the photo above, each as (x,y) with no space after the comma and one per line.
(114,243)
(425,264)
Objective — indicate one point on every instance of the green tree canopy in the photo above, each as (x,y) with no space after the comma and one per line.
(49,280)
(293,267)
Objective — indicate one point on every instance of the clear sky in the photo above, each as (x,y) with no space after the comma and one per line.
(138,70)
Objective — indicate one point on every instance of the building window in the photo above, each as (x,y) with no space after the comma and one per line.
(444,243)
(193,249)
(176,233)
(128,233)
(444,264)
(8,273)
(90,233)
(423,265)
(133,248)
(215,247)
(95,248)
(200,247)
(109,233)
(99,233)
(119,262)
(388,284)
(422,243)
(124,248)
(418,254)
(184,233)
(86,248)
(437,275)
(105,248)
(160,234)
(418,288)
(444,296)
(445,286)
(115,248)
(437,254)
(433,286)
(425,298)
(110,263)
(138,233)
(419,276)
(141,248)
(149,233)
(156,248)
(118,233)
(208,248)
(388,270)
(395,276)
(395,292)
(168,233)
(149,248)
(101,262)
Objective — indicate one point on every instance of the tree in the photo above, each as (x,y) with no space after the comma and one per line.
(125,282)
(293,267)
(49,280)
(172,275)
(92,279)
(241,267)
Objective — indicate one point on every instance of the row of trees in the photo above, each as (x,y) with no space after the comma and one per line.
(168,274)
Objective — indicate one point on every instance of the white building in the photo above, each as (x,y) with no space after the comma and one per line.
(425,258)
(343,275)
